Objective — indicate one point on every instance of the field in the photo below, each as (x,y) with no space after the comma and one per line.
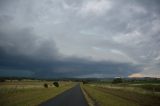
(105,94)
(97,93)
(29,92)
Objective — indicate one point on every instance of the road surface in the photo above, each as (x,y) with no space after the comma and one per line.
(71,97)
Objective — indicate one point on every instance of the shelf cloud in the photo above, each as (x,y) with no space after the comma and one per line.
(83,38)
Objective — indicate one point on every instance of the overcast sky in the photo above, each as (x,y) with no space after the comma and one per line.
(80,38)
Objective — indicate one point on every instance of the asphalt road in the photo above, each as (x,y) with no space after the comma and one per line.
(71,97)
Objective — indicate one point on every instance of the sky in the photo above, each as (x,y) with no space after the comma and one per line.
(80,38)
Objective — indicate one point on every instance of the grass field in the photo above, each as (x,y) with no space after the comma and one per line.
(33,92)
(28,84)
(140,88)
(29,93)
(112,96)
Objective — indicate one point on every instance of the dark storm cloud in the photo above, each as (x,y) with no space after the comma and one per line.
(28,55)
(68,68)
(83,38)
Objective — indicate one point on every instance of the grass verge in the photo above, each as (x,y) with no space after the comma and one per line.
(112,97)
(90,100)
(30,96)
(105,99)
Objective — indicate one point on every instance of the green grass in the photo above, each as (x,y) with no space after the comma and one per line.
(149,87)
(143,88)
(28,84)
(87,97)
(105,99)
(29,96)
(120,97)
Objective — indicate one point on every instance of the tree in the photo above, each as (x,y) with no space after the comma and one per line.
(2,80)
(56,84)
(85,82)
(117,80)
(46,85)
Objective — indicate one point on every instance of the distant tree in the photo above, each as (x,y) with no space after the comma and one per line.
(2,80)
(117,80)
(85,82)
(56,84)
(20,79)
(45,85)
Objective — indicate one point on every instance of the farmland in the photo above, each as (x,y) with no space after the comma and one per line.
(97,92)
(29,92)
(123,94)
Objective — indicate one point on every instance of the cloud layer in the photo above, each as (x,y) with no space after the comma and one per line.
(84,38)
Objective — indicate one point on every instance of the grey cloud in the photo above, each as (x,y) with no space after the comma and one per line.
(22,52)
(71,38)
(25,42)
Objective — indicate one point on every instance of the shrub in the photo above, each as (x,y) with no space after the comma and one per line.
(46,85)
(56,84)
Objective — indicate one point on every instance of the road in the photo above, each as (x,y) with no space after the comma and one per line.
(71,97)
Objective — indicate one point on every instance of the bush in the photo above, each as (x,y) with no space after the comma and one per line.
(117,80)
(46,85)
(56,84)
